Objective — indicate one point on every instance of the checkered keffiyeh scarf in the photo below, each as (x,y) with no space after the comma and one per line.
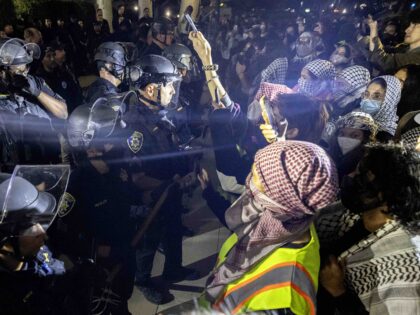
(387,117)
(411,137)
(384,271)
(271,91)
(409,129)
(298,179)
(358,120)
(355,78)
(275,72)
(322,69)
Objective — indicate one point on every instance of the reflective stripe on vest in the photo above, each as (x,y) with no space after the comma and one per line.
(285,279)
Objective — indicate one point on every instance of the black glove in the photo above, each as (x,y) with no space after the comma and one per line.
(27,84)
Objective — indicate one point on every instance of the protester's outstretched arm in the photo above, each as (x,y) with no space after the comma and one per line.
(386,61)
(203,49)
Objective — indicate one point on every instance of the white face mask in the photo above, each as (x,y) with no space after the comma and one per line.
(347,144)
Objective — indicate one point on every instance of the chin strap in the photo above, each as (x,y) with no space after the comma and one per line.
(150,103)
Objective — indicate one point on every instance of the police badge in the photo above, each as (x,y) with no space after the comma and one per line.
(135,142)
(66,204)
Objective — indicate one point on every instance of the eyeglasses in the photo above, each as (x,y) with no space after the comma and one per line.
(375,96)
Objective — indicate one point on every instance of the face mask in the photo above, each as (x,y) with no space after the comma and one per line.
(358,195)
(370,106)
(308,88)
(303,50)
(338,59)
(347,144)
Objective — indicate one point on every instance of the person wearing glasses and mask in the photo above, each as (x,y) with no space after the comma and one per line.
(380,100)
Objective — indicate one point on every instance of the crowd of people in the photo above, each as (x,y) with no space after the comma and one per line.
(315,129)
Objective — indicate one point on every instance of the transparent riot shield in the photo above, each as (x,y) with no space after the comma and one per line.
(33,195)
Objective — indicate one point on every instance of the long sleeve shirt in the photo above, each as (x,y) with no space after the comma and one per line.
(390,62)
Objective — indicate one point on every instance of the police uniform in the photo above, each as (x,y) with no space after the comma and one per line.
(96,212)
(28,131)
(150,150)
(100,88)
(30,289)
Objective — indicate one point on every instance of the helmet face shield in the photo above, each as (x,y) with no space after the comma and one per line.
(16,52)
(32,195)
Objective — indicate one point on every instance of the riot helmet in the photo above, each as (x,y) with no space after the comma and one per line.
(180,55)
(92,123)
(115,57)
(15,52)
(156,69)
(31,197)
(161,29)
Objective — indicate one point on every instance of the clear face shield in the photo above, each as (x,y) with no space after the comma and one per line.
(15,54)
(31,198)
(174,104)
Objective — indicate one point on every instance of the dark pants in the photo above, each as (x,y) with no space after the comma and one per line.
(166,228)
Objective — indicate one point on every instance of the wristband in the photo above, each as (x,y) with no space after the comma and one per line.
(214,67)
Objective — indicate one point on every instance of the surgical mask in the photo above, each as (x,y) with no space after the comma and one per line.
(348,144)
(308,88)
(339,60)
(370,106)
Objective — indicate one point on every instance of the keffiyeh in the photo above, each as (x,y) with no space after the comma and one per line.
(358,120)
(324,71)
(387,117)
(409,129)
(298,178)
(275,72)
(352,79)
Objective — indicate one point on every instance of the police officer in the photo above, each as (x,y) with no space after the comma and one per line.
(111,60)
(155,168)
(181,111)
(99,199)
(163,32)
(15,58)
(31,280)
(28,108)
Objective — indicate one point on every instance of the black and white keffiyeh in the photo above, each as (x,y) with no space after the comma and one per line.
(353,78)
(358,120)
(275,72)
(322,69)
(384,271)
(409,129)
(410,138)
(387,117)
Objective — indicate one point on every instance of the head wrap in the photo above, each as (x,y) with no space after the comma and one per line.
(298,179)
(324,71)
(275,72)
(358,120)
(352,79)
(387,117)
(409,129)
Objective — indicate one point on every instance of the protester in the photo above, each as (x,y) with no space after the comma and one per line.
(365,278)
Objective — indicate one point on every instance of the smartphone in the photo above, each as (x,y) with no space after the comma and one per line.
(191,22)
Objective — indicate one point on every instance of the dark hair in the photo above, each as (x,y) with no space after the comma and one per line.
(348,49)
(397,175)
(379,81)
(414,16)
(303,113)
(410,93)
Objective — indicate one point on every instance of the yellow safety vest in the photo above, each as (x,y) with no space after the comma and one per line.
(287,278)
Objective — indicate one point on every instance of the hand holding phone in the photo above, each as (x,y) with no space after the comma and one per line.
(191,23)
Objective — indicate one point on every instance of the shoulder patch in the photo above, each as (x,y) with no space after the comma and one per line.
(135,141)
(66,204)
